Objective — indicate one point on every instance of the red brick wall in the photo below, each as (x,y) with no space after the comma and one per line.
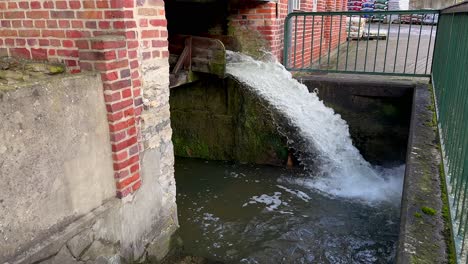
(268,19)
(112,37)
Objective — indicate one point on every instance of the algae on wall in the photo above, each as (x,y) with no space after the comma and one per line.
(218,119)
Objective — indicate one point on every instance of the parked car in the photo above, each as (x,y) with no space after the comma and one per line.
(413,19)
(431,19)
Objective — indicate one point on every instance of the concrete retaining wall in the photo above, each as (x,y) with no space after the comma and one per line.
(56,160)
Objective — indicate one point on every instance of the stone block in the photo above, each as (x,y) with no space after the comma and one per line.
(80,242)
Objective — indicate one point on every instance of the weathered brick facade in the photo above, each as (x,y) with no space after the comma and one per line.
(268,18)
(118,37)
(112,37)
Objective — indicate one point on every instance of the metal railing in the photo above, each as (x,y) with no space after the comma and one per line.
(379,42)
(450,80)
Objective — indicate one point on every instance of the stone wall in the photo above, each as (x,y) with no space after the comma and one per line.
(125,41)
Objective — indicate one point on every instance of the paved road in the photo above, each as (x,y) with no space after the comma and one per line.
(387,55)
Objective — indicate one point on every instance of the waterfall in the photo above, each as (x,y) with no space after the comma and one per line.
(321,136)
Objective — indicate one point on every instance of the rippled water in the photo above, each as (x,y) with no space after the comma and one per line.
(260,214)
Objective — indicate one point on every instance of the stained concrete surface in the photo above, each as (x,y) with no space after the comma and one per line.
(56,160)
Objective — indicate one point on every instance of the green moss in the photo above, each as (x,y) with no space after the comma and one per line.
(428,210)
(417,215)
(448,234)
(389,110)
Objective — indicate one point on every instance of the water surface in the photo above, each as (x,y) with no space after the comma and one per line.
(261,214)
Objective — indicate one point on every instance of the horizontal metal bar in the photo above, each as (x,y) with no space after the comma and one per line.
(361,13)
(359,72)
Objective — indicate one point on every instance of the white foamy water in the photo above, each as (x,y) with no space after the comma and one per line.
(342,171)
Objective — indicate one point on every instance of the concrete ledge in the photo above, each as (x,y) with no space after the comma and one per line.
(425,235)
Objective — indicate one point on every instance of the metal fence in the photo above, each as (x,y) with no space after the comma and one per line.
(379,42)
(450,80)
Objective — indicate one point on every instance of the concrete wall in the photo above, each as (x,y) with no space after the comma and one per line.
(431,4)
(241,128)
(377,112)
(56,160)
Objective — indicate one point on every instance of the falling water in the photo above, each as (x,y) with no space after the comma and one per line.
(322,136)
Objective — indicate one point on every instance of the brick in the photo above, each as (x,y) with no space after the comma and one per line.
(109,98)
(28,23)
(116,3)
(148,12)
(116,137)
(39,24)
(126,93)
(53,33)
(29,33)
(89,14)
(32,42)
(131,131)
(127,181)
(122,193)
(8,33)
(67,43)
(122,54)
(110,76)
(77,34)
(38,14)
(5,23)
(136,186)
(129,3)
(118,85)
(20,53)
(116,147)
(52,24)
(14,15)
(61,5)
(121,174)
(12,5)
(119,106)
(150,34)
(122,125)
(121,156)
(129,112)
(104,24)
(159,43)
(68,53)
(20,42)
(44,42)
(77,24)
(100,44)
(48,4)
(75,4)
(64,23)
(138,101)
(91,24)
(23,5)
(125,73)
(10,42)
(143,22)
(119,24)
(71,63)
(117,14)
(158,22)
(35,5)
(55,43)
(130,24)
(62,14)
(39,54)
(102,4)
